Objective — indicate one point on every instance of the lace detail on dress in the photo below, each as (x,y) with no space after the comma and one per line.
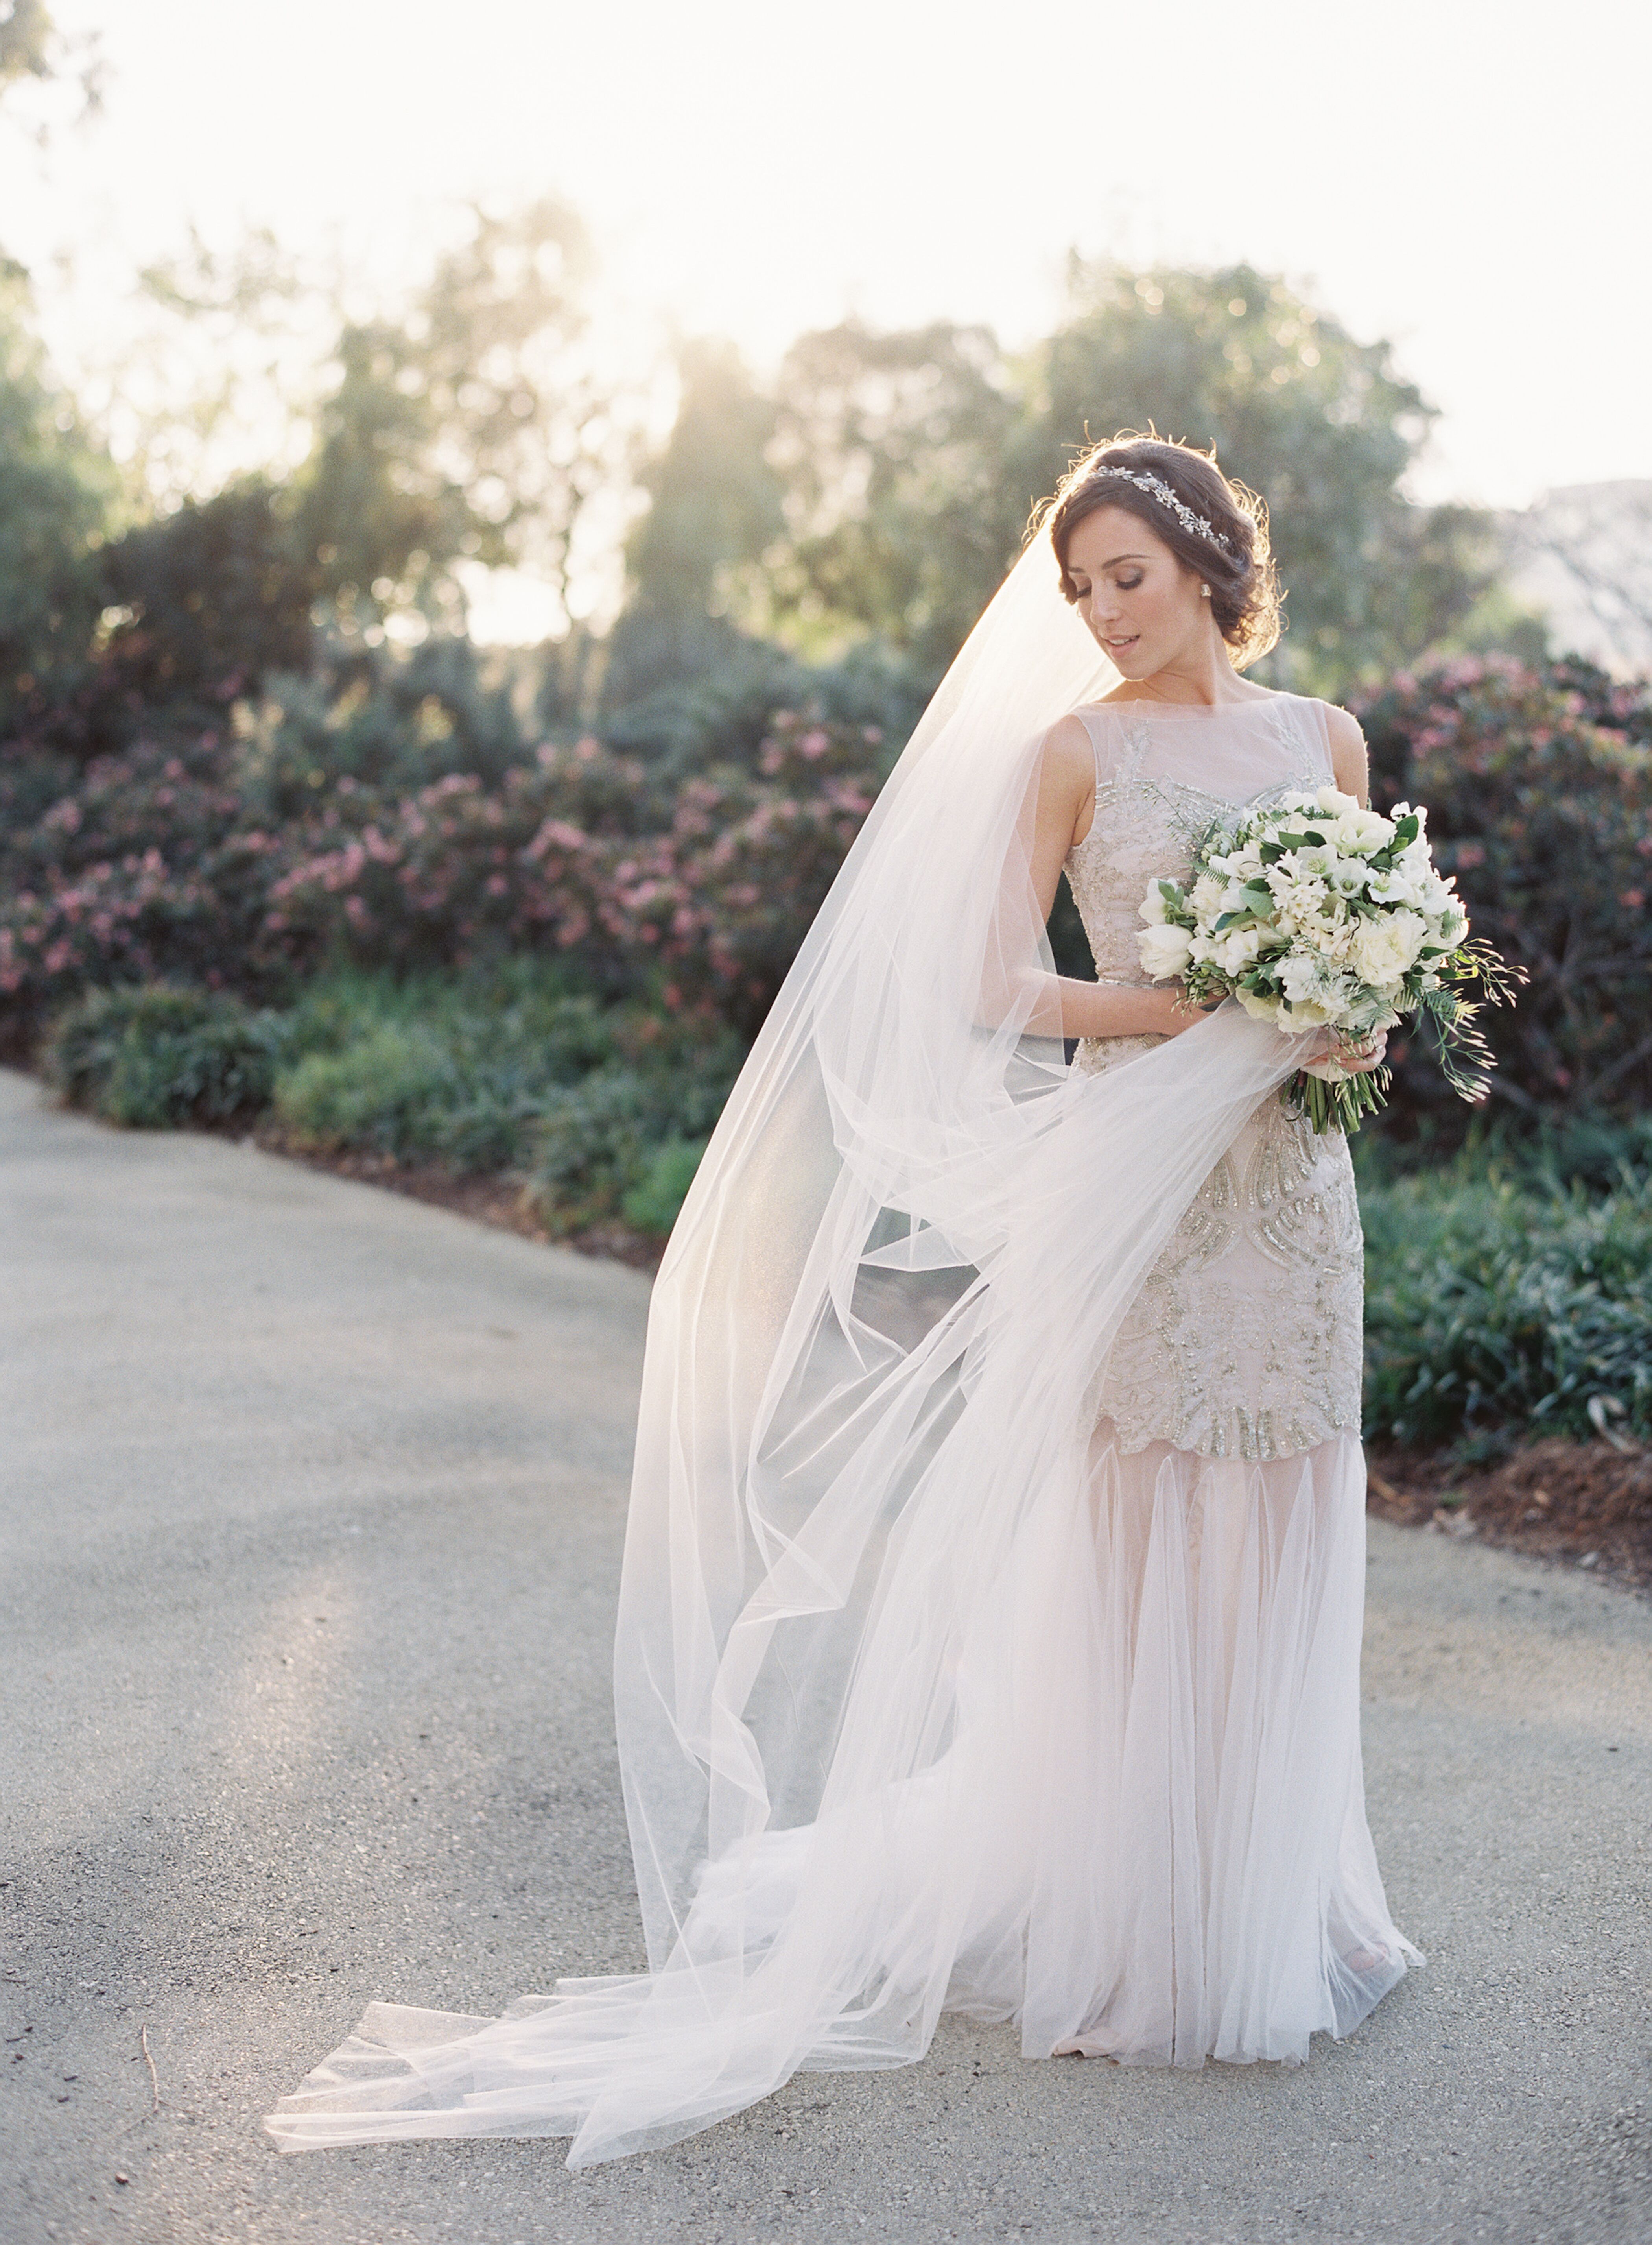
(1245,1341)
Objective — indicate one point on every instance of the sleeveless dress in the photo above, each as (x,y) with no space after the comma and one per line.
(1210,1885)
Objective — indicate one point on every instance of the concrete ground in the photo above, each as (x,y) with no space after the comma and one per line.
(314,1500)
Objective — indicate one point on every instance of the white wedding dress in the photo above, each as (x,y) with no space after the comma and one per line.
(992,1644)
(1228,1888)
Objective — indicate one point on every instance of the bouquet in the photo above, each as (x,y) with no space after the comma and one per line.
(1317,913)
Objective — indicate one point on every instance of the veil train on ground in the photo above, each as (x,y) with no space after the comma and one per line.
(864,1731)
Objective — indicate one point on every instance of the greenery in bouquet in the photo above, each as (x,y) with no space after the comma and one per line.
(1319,914)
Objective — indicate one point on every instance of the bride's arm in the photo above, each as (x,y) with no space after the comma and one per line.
(1061,806)
(1350,766)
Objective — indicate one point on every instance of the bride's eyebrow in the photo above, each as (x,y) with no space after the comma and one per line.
(1119,559)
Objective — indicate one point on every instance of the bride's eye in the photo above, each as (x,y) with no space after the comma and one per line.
(1128,584)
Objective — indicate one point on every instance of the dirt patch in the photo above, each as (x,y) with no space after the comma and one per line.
(1587,1503)
(503,1202)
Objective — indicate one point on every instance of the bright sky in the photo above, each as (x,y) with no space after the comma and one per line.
(1473,181)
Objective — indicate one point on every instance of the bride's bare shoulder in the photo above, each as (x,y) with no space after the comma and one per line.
(1068,749)
(1350,763)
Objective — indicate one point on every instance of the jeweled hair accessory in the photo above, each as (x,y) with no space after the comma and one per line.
(1185,515)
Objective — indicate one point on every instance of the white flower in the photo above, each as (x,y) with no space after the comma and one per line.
(1333,800)
(1165,950)
(1206,897)
(1301,977)
(1403,885)
(1364,832)
(1152,908)
(1384,949)
(1236,949)
(1260,1006)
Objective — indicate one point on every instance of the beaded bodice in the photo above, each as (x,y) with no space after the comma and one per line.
(1245,1339)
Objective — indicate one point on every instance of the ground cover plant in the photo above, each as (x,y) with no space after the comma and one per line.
(1500,1303)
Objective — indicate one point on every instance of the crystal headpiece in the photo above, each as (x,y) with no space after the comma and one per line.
(1185,515)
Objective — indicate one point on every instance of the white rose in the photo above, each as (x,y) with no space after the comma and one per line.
(1332,801)
(1165,951)
(1153,907)
(1385,948)
(1363,831)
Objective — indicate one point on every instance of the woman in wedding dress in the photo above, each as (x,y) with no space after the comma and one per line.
(990,1622)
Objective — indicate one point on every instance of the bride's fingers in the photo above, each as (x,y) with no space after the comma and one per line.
(1364,1054)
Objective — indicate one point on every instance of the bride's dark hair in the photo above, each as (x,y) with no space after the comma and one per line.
(1245,597)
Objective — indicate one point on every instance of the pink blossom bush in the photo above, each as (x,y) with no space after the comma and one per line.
(158,861)
(1538,787)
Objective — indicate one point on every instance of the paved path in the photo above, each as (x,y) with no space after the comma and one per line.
(314,1500)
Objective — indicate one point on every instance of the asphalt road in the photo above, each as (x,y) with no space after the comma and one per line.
(312,1504)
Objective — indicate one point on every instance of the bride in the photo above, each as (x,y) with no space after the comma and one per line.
(990,1619)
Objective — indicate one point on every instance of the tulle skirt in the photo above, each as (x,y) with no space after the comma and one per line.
(1145,1839)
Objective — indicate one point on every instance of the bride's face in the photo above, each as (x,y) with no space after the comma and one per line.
(1143,606)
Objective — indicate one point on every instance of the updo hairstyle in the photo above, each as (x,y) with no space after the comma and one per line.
(1245,598)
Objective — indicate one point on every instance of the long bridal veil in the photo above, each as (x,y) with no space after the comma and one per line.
(873,1350)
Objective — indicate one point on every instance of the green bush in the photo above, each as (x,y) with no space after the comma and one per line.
(391,1090)
(655,1204)
(1499,1306)
(509,1069)
(447,1067)
(627,1141)
(153,1057)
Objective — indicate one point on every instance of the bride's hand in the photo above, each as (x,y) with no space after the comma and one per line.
(1358,1056)
(1183,1011)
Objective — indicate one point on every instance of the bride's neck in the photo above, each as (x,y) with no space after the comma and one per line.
(1202,678)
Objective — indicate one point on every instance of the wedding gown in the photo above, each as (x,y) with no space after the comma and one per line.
(1024,1680)
(1226,1518)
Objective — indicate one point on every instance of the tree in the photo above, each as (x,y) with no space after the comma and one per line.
(470,429)
(55,492)
(910,463)
(900,523)
(1321,425)
(36,55)
(714,512)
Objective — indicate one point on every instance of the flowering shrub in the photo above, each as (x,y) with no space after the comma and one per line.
(718,900)
(1539,788)
(724,899)
(145,867)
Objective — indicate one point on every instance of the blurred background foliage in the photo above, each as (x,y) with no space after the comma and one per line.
(280,843)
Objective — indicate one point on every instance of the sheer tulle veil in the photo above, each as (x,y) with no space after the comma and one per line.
(863,1419)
